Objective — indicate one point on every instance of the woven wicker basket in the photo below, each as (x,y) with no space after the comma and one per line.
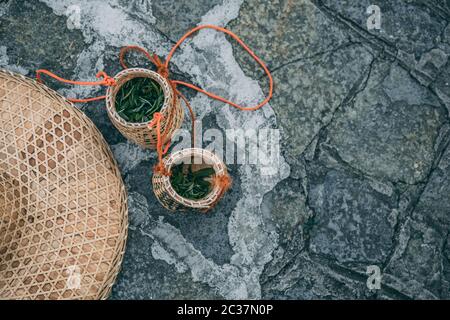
(63,208)
(140,133)
(173,201)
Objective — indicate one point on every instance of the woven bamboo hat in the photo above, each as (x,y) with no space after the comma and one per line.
(63,210)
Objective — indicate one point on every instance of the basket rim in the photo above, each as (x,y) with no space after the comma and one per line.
(112,91)
(216,163)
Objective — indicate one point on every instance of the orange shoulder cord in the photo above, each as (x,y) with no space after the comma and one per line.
(107,81)
(211,95)
(163,70)
(224,183)
(156,121)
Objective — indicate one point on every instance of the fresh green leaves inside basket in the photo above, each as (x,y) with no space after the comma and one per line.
(138,99)
(189,183)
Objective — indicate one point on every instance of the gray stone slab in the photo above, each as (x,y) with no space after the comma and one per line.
(390,129)
(412,31)
(352,221)
(416,268)
(307,279)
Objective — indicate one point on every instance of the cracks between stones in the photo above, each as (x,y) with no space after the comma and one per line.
(315,55)
(414,202)
(354,91)
(378,44)
(321,136)
(354,275)
(386,47)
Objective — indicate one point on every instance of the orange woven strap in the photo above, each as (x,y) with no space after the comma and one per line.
(246,48)
(163,71)
(160,66)
(161,150)
(224,182)
(106,81)
(163,68)
(191,113)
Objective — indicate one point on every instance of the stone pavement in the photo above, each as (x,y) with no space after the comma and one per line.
(364,174)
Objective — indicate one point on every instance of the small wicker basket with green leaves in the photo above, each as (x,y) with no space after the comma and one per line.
(132,102)
(198,179)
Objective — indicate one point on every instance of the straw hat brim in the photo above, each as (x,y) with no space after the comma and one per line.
(63,205)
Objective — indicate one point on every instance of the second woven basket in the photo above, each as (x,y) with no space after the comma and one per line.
(170,199)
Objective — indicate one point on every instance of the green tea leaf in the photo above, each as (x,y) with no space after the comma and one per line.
(191,184)
(138,99)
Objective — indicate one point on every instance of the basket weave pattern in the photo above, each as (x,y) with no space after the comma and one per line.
(140,133)
(63,208)
(171,200)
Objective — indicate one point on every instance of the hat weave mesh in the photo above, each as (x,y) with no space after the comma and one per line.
(63,209)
